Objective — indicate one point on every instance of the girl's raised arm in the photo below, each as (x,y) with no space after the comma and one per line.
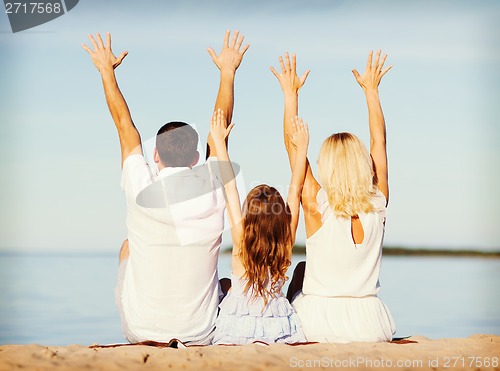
(298,137)
(219,133)
(369,81)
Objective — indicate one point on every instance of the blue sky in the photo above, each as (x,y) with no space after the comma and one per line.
(60,161)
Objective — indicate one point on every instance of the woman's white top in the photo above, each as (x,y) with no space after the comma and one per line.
(336,266)
(339,302)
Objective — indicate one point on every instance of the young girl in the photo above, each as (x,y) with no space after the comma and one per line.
(263,236)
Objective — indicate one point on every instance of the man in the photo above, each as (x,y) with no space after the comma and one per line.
(168,285)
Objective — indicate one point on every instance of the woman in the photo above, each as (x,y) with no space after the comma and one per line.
(345,219)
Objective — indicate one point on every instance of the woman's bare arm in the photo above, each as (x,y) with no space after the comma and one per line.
(290,84)
(370,81)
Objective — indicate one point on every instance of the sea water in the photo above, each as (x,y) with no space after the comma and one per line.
(63,298)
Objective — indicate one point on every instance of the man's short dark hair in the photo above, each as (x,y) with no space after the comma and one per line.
(177,144)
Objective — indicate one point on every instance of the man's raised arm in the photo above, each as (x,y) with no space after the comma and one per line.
(106,62)
(228,62)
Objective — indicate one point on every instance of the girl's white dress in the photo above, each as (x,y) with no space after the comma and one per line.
(339,302)
(243,319)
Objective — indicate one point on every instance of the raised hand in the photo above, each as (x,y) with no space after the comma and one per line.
(299,134)
(102,56)
(231,54)
(105,62)
(218,128)
(370,79)
(288,78)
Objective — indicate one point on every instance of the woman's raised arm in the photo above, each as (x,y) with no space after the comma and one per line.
(290,84)
(370,81)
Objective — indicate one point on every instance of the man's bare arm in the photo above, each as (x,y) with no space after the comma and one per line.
(106,62)
(227,62)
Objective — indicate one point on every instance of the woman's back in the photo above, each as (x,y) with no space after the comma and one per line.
(339,302)
(336,265)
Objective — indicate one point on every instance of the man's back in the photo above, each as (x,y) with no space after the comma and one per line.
(168,266)
(174,222)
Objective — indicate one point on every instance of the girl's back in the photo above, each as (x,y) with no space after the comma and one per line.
(255,308)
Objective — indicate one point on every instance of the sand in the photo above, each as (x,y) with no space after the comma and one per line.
(473,353)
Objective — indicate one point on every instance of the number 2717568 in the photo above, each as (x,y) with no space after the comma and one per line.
(33,8)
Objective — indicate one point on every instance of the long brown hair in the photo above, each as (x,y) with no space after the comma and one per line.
(266,243)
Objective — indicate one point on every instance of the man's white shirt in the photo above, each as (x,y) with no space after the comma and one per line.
(175,220)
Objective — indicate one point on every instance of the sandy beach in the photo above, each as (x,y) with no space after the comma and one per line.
(478,352)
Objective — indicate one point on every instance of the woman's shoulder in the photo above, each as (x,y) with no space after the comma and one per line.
(323,204)
(378,200)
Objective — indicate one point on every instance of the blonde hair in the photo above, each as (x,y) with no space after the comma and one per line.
(347,175)
(266,243)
